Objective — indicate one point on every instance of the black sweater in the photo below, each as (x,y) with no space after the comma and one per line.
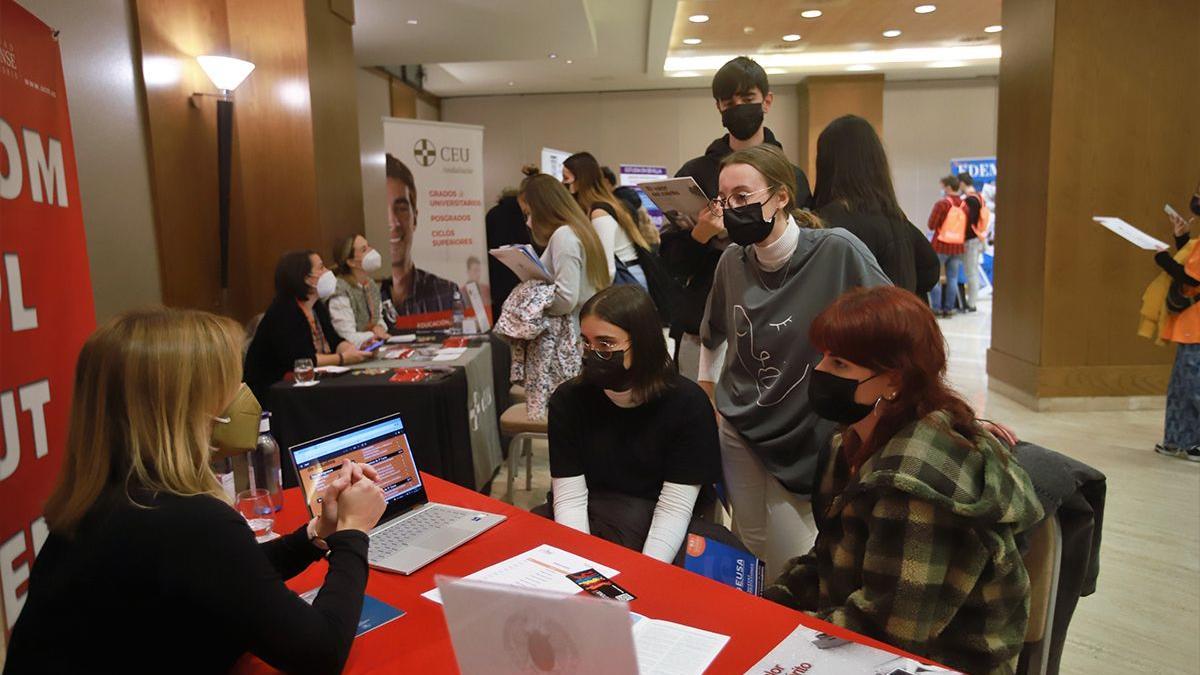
(693,263)
(182,587)
(283,336)
(902,251)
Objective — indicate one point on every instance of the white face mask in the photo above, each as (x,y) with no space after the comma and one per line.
(372,261)
(326,285)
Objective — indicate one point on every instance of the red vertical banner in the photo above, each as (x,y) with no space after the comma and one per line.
(46,309)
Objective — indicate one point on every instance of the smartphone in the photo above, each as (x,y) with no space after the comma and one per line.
(1170,211)
(373,346)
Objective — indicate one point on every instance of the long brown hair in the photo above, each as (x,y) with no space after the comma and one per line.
(591,188)
(551,207)
(888,329)
(779,172)
(630,308)
(147,385)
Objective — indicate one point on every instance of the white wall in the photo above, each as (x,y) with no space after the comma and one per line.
(109,127)
(665,128)
(374,103)
(928,123)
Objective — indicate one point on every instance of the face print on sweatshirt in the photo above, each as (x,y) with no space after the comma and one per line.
(757,343)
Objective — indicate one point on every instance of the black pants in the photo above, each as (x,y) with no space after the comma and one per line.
(626,520)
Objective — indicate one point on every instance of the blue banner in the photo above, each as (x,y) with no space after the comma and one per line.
(981,169)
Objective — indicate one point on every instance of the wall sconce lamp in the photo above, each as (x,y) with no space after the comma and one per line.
(226,74)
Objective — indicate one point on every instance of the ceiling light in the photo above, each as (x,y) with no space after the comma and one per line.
(791,37)
(512,84)
(570,61)
(993,29)
(811,13)
(413,22)
(947,64)
(691,41)
(226,73)
(698,18)
(553,55)
(776,71)
(685,73)
(892,33)
(748,30)
(815,61)
(860,67)
(925,9)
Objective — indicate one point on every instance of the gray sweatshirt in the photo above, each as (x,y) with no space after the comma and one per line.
(763,390)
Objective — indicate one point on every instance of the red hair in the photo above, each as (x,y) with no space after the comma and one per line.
(888,329)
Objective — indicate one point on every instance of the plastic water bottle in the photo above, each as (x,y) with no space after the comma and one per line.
(457,313)
(266,472)
(223,468)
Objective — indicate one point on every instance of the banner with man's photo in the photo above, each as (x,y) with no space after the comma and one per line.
(437,238)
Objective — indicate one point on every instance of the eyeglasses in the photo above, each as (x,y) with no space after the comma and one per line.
(603,350)
(737,201)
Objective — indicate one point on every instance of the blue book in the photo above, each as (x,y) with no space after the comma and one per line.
(375,612)
(724,563)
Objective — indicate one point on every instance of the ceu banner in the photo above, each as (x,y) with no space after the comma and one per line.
(438,241)
(45,290)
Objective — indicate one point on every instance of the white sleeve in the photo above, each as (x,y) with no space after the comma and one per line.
(571,502)
(671,518)
(606,228)
(342,315)
(566,259)
(711,363)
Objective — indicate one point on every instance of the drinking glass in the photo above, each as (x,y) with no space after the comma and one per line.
(303,371)
(256,507)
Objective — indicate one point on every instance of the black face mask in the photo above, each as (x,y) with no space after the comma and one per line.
(743,120)
(832,397)
(1196,204)
(607,374)
(746,224)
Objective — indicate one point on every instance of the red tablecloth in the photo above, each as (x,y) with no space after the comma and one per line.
(418,642)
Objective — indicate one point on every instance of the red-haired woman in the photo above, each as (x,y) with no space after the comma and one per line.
(918,505)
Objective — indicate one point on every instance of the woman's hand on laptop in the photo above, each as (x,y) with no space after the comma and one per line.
(360,506)
(350,473)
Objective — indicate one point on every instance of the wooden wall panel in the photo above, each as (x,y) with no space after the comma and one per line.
(826,98)
(334,95)
(183,143)
(1097,117)
(273,117)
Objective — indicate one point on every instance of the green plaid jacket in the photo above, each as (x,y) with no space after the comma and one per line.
(918,549)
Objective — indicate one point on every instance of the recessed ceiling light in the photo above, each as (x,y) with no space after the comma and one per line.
(925,9)
(553,55)
(993,29)
(748,30)
(860,67)
(692,41)
(512,84)
(413,22)
(698,18)
(947,64)
(776,71)
(892,33)
(811,13)
(685,73)
(791,37)
(569,61)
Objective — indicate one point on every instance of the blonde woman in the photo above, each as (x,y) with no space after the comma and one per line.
(574,255)
(356,307)
(146,566)
(780,271)
(583,177)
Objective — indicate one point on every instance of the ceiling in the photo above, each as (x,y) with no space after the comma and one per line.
(476,47)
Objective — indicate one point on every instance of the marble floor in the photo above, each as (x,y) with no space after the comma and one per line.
(1145,614)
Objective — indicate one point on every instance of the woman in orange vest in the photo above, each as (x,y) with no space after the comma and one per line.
(1181,437)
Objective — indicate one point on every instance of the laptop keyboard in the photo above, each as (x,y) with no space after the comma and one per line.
(388,541)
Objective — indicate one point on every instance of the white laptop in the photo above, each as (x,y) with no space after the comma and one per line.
(413,532)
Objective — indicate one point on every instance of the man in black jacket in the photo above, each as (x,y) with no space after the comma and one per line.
(743,97)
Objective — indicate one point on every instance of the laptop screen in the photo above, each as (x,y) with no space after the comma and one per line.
(381,444)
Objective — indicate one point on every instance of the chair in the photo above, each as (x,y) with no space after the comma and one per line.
(516,393)
(515,422)
(1043,561)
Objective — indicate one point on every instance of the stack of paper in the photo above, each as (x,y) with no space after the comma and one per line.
(544,568)
(822,653)
(523,261)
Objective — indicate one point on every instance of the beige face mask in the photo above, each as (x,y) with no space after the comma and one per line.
(237,428)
